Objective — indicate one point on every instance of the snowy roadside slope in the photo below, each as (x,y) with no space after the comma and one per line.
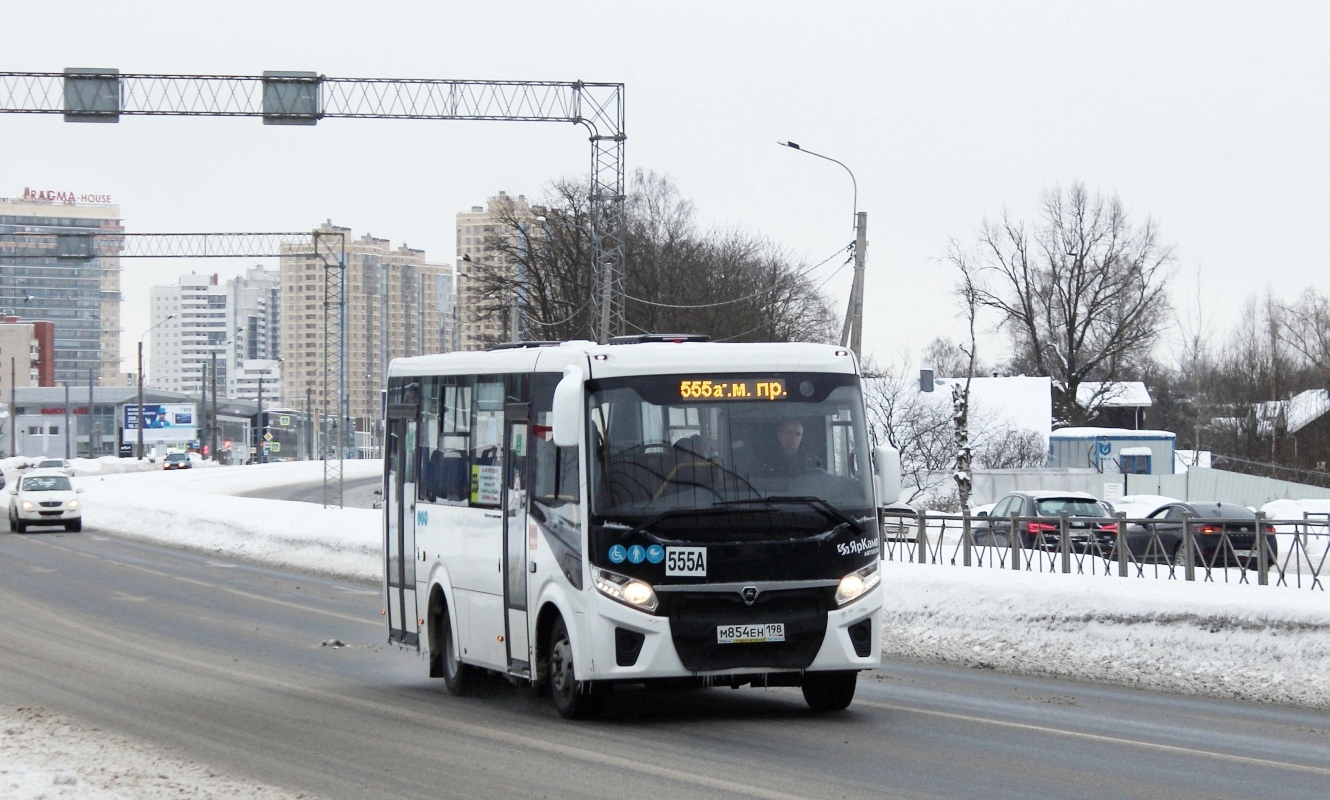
(195,508)
(1267,644)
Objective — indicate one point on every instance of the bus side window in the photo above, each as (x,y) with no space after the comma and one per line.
(554,475)
(428,486)
(487,442)
(454,471)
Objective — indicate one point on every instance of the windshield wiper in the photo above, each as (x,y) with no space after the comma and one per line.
(816,503)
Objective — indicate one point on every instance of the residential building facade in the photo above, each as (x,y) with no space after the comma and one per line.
(397,305)
(27,355)
(483,320)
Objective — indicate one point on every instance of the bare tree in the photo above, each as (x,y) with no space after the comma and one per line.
(1306,329)
(950,360)
(923,428)
(542,258)
(1011,449)
(920,429)
(1082,294)
(732,286)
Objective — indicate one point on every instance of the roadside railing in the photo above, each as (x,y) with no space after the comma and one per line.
(1293,553)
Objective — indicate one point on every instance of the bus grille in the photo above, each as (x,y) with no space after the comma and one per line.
(694,618)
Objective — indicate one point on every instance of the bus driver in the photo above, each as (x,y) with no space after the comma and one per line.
(788,458)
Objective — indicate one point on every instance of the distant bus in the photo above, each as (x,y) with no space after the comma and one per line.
(578,516)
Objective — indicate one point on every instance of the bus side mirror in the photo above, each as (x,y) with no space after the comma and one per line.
(887,475)
(567,412)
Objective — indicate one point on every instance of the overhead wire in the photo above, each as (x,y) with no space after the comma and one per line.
(763,290)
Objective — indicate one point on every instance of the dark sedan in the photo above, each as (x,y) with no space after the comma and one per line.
(1224,535)
(176,461)
(1039,519)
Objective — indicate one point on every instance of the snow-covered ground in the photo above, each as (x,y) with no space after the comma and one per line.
(1267,644)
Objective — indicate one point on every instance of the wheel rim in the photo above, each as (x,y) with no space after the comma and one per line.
(561,667)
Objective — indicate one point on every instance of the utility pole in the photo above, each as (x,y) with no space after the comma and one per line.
(92,419)
(69,441)
(212,418)
(852,334)
(13,409)
(259,436)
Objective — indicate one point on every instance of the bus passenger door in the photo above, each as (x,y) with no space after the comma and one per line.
(399,530)
(517,435)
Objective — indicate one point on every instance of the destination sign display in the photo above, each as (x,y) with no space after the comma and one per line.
(732,389)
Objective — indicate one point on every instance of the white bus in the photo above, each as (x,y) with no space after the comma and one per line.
(577,516)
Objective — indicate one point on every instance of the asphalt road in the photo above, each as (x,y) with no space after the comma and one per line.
(283,678)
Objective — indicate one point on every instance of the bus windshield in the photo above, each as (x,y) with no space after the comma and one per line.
(678,443)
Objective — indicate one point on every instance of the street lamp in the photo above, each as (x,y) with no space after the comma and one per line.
(139,422)
(852,333)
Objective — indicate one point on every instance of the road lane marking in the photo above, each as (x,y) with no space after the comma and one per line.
(196,582)
(1096,737)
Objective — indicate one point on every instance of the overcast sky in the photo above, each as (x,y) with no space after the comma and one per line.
(1209,117)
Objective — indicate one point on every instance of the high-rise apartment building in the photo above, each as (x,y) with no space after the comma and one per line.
(199,325)
(253,357)
(396,305)
(188,326)
(482,319)
(43,276)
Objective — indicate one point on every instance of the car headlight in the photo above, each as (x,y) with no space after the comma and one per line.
(72,504)
(857,583)
(629,591)
(27,505)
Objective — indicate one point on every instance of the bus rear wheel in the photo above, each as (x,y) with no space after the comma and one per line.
(573,699)
(829,691)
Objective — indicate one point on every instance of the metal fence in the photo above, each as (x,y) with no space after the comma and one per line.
(1292,553)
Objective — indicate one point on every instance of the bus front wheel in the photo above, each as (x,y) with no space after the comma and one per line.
(829,691)
(573,699)
(456,675)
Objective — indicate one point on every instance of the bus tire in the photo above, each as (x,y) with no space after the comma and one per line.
(456,675)
(829,691)
(573,699)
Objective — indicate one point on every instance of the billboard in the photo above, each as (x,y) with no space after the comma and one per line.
(164,423)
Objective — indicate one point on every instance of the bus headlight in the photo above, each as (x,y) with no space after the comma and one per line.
(857,583)
(629,591)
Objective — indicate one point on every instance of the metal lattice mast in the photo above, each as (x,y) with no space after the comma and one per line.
(303,98)
(328,246)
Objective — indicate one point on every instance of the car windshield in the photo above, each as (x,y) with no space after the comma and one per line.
(177,457)
(682,444)
(50,463)
(46,483)
(1074,506)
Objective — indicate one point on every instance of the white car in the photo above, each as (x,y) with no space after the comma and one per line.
(58,464)
(44,497)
